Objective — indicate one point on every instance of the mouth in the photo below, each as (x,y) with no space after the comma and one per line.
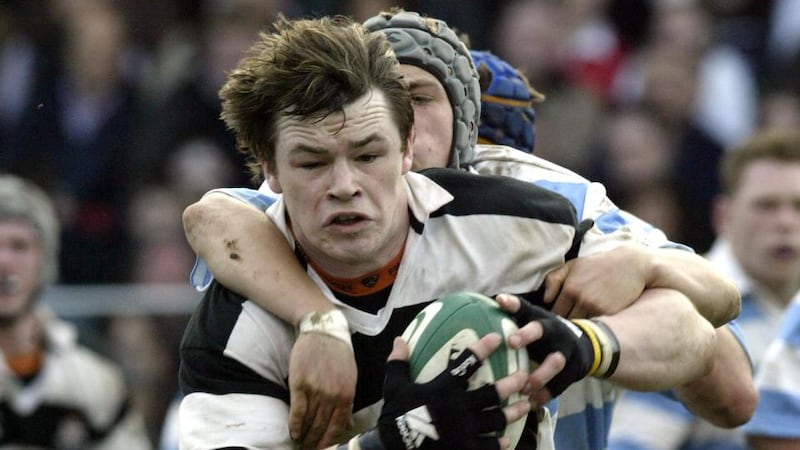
(9,284)
(785,252)
(346,220)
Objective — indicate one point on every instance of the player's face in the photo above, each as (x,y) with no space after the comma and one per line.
(20,267)
(343,187)
(433,118)
(763,223)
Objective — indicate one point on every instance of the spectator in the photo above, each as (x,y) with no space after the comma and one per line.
(758,223)
(57,393)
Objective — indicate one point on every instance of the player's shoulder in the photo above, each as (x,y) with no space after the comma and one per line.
(510,162)
(500,195)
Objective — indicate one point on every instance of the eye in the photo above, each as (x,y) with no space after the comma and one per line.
(367,157)
(419,99)
(309,165)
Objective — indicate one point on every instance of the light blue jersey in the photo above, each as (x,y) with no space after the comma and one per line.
(778,379)
(646,421)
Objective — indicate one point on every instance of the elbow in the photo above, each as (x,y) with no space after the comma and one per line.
(738,410)
(191,217)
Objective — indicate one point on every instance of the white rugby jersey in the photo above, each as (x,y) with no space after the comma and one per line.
(77,400)
(467,233)
(778,379)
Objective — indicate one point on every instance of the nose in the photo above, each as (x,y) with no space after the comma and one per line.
(788,215)
(343,181)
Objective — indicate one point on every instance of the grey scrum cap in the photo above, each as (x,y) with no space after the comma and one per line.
(433,46)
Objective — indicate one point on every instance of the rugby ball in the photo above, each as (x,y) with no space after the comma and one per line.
(446,327)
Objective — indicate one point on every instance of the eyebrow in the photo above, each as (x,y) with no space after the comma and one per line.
(418,83)
(319,150)
(367,140)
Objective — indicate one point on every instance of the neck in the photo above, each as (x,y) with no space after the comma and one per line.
(783,293)
(21,335)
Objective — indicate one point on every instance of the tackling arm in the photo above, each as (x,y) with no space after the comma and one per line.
(247,253)
(609,281)
(663,341)
(726,396)
(715,296)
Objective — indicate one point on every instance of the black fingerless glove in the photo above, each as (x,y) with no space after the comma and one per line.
(439,414)
(590,348)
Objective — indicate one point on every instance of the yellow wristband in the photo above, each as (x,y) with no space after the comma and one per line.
(589,329)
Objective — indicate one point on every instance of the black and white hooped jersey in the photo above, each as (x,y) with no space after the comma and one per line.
(467,233)
(77,400)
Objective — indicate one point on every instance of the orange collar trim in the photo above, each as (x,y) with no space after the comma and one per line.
(367,284)
(26,365)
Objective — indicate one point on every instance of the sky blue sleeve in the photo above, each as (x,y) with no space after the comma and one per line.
(201,277)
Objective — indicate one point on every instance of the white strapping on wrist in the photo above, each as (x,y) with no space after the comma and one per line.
(331,323)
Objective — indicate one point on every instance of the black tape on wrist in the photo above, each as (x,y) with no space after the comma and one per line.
(611,349)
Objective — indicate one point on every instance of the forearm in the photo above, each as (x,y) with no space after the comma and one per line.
(770,443)
(727,396)
(715,297)
(663,342)
(247,253)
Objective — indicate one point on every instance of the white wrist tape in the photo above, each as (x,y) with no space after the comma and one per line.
(331,323)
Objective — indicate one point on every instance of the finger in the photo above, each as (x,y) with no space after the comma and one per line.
(491,420)
(317,424)
(297,412)
(399,349)
(525,335)
(579,311)
(516,410)
(553,283)
(551,366)
(483,397)
(508,302)
(397,368)
(564,304)
(486,345)
(510,384)
(541,398)
(341,421)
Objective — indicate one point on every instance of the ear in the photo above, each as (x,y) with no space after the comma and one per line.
(719,214)
(408,157)
(272,178)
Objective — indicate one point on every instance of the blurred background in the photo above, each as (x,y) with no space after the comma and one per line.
(111,106)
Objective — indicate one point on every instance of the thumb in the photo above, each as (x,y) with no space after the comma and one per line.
(399,350)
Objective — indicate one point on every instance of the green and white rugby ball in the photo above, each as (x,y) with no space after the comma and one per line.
(446,327)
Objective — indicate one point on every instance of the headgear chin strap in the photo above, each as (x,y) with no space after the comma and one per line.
(433,46)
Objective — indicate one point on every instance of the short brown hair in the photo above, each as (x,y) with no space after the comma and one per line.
(308,68)
(778,145)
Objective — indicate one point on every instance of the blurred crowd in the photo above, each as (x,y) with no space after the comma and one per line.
(111,106)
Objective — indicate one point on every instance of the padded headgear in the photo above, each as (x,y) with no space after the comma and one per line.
(434,47)
(507,114)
